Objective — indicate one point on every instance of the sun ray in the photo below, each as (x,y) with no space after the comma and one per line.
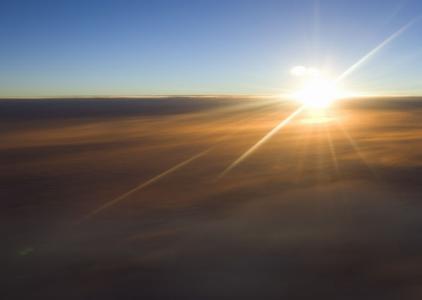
(304,151)
(172,169)
(332,148)
(356,148)
(320,157)
(371,53)
(261,141)
(146,183)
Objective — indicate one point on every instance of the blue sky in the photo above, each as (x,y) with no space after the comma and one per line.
(92,47)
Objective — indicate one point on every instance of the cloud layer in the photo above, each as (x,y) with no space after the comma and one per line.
(329,208)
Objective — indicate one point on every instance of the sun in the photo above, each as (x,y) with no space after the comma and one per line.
(316,91)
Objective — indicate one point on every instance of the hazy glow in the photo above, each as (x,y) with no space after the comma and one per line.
(318,118)
(300,71)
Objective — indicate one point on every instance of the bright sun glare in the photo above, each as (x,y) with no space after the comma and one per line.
(316,91)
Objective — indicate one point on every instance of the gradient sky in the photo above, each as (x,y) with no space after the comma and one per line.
(81,47)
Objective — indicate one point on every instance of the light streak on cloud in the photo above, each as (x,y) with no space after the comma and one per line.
(168,172)
(268,136)
(147,183)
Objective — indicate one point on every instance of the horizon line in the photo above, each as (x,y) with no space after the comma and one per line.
(164,96)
